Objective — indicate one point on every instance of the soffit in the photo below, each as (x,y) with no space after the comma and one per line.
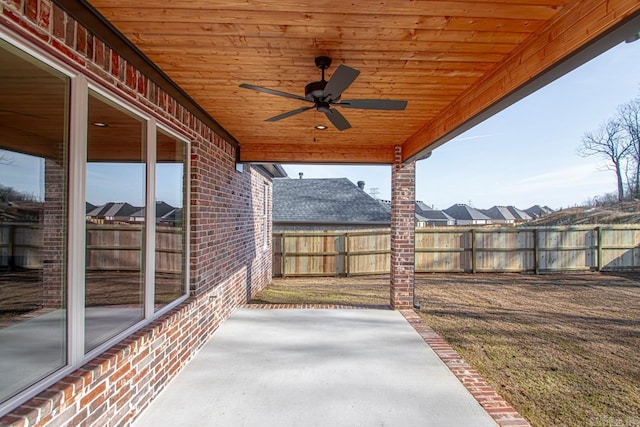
(451,60)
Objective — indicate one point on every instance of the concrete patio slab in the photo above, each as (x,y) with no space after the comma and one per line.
(315,368)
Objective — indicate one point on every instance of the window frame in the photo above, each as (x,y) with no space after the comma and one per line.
(186,213)
(265,218)
(77,126)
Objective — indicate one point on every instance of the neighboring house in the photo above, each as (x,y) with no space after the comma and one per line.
(426,216)
(537,211)
(466,215)
(499,215)
(519,214)
(162,209)
(112,211)
(171,218)
(325,204)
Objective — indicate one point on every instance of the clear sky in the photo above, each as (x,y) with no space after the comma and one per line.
(526,154)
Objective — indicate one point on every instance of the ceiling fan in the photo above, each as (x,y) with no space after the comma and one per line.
(326,94)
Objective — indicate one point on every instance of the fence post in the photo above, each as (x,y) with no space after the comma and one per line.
(346,255)
(536,252)
(599,247)
(473,251)
(283,261)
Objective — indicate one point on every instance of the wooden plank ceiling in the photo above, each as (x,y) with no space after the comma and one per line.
(450,60)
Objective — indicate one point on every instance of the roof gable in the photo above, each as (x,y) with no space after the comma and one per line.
(518,213)
(465,212)
(500,213)
(329,200)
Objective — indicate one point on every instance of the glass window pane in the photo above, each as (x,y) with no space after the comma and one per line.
(116,191)
(33,177)
(170,221)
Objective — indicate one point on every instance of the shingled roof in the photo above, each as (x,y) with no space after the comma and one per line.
(162,209)
(537,211)
(327,200)
(427,213)
(465,212)
(519,214)
(500,213)
(111,209)
(435,215)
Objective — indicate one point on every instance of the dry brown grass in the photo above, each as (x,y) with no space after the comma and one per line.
(563,348)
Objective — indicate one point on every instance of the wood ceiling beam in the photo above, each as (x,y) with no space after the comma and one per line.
(325,14)
(316,153)
(259,36)
(576,26)
(215,29)
(513,9)
(292,48)
(364,65)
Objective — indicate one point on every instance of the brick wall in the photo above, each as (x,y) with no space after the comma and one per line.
(229,258)
(403,218)
(53,241)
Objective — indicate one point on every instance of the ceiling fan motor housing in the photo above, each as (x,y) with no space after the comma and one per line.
(322,106)
(315,90)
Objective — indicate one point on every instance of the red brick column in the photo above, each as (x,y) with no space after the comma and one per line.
(403,179)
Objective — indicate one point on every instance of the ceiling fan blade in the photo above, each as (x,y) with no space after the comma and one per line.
(374,104)
(274,92)
(339,81)
(337,119)
(288,114)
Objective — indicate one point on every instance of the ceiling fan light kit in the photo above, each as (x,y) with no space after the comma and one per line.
(326,94)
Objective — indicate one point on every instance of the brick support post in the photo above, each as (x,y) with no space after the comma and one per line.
(402,232)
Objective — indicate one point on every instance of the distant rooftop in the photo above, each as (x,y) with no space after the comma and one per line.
(499,213)
(327,200)
(465,212)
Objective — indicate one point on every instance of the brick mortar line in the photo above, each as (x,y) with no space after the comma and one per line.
(496,406)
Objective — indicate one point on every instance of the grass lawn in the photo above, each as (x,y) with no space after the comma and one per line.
(563,349)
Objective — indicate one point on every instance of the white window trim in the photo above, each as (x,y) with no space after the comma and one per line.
(186,213)
(80,85)
(76,239)
(150,222)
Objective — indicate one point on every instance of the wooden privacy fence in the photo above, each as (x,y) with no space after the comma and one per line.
(461,249)
(109,247)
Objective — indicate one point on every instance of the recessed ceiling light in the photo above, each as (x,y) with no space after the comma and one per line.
(100,124)
(321,127)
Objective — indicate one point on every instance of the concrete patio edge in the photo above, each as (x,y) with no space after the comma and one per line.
(496,406)
(500,410)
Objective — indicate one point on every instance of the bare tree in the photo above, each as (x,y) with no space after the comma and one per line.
(608,141)
(629,117)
